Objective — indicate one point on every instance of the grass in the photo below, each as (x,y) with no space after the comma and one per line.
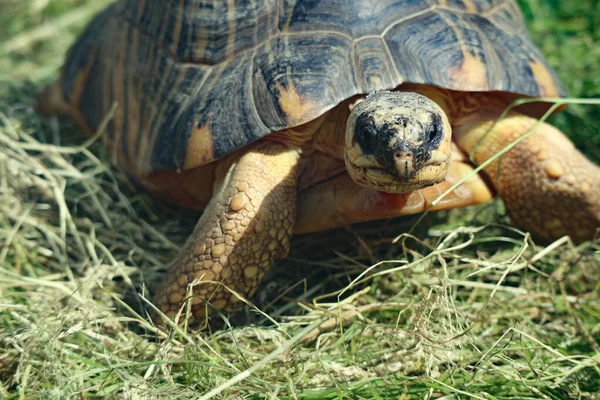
(465,307)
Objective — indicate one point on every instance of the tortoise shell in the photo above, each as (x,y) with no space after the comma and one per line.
(193,80)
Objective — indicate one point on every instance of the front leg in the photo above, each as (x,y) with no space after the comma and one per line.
(547,185)
(246,226)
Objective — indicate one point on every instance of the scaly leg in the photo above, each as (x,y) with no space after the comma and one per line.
(51,102)
(547,185)
(245,228)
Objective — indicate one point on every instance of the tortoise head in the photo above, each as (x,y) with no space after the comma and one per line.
(397,142)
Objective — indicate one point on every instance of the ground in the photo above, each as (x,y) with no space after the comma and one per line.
(462,306)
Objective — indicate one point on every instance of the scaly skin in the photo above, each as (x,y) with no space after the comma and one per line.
(547,185)
(245,228)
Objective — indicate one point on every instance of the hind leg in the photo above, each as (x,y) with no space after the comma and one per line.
(51,102)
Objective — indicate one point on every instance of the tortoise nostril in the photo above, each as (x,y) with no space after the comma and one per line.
(402,154)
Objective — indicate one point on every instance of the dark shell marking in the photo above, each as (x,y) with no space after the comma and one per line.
(194,80)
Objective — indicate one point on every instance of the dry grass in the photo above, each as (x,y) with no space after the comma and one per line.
(465,306)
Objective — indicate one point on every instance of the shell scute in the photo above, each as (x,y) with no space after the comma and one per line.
(211,77)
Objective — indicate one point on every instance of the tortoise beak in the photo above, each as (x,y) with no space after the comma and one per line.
(403,164)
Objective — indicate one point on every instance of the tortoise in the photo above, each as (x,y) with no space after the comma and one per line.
(280,117)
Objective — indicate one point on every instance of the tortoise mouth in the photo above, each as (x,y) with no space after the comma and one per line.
(376,177)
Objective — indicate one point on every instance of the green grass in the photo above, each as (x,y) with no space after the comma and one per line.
(467,307)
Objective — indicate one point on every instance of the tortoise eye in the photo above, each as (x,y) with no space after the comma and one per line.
(435,131)
(365,134)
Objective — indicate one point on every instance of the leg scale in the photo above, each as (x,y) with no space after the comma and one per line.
(245,228)
(547,185)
